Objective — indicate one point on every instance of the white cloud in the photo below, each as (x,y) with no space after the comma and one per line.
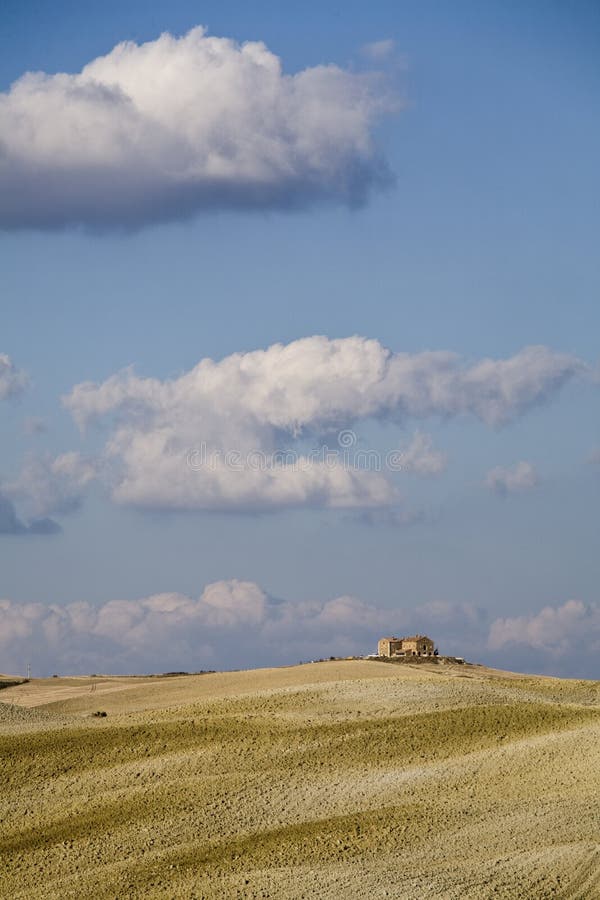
(421,458)
(12,380)
(570,629)
(379,50)
(174,126)
(169,440)
(512,479)
(52,486)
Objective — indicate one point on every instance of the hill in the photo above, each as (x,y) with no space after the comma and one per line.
(346,778)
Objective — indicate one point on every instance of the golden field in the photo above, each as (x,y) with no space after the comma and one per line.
(336,779)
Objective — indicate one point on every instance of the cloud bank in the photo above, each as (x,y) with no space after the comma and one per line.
(174,632)
(166,129)
(559,639)
(515,479)
(13,381)
(215,438)
(570,628)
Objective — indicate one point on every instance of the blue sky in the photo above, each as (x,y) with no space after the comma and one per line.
(485,243)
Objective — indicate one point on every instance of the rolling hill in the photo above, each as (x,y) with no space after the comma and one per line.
(345,778)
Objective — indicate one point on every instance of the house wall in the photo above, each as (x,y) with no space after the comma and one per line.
(422,647)
(387,647)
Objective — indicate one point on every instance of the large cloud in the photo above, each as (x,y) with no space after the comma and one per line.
(178,125)
(207,439)
(12,380)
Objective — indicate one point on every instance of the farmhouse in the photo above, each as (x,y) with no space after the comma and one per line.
(417,645)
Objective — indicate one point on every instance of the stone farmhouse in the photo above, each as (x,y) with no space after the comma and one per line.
(417,645)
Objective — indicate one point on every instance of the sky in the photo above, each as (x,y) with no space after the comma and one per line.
(299,333)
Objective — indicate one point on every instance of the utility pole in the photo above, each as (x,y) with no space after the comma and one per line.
(28,671)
